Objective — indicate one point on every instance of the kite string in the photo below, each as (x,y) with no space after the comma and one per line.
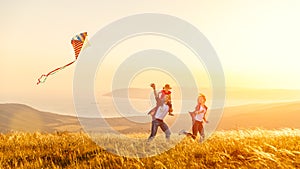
(53,72)
(77,43)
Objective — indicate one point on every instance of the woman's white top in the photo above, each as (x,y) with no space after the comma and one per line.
(200,116)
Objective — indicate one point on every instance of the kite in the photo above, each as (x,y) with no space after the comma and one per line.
(77,43)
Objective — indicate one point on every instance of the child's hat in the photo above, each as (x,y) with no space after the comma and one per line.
(167,86)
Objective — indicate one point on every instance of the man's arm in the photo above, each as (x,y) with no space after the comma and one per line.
(154,90)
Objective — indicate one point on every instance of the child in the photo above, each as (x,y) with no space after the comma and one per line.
(160,96)
(166,91)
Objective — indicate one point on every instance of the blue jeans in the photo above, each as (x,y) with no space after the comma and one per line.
(159,123)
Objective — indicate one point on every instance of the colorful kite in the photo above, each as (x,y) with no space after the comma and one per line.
(77,43)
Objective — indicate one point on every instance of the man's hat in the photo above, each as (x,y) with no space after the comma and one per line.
(167,86)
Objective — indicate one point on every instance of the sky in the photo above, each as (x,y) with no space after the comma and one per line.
(256,42)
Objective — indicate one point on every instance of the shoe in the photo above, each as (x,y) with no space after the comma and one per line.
(150,139)
(181,132)
(171,114)
(201,139)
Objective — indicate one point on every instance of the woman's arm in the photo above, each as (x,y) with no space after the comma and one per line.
(204,117)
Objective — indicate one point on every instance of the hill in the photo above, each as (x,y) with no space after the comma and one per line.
(269,116)
(20,117)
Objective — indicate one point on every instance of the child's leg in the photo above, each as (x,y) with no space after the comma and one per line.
(170,108)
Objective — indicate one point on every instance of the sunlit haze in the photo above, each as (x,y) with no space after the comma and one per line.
(257,43)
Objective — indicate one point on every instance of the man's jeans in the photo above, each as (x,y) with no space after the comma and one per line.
(159,123)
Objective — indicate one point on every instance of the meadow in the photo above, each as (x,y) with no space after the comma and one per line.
(244,148)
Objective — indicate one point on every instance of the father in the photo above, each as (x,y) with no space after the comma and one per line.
(159,115)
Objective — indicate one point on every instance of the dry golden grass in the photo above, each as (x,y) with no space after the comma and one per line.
(224,149)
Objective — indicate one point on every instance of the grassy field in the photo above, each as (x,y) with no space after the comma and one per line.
(224,149)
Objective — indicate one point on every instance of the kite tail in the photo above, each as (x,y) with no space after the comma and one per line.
(44,77)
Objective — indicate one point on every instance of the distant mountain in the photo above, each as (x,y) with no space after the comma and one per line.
(131,92)
(231,93)
(145,93)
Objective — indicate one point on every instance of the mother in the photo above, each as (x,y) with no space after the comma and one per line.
(198,117)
